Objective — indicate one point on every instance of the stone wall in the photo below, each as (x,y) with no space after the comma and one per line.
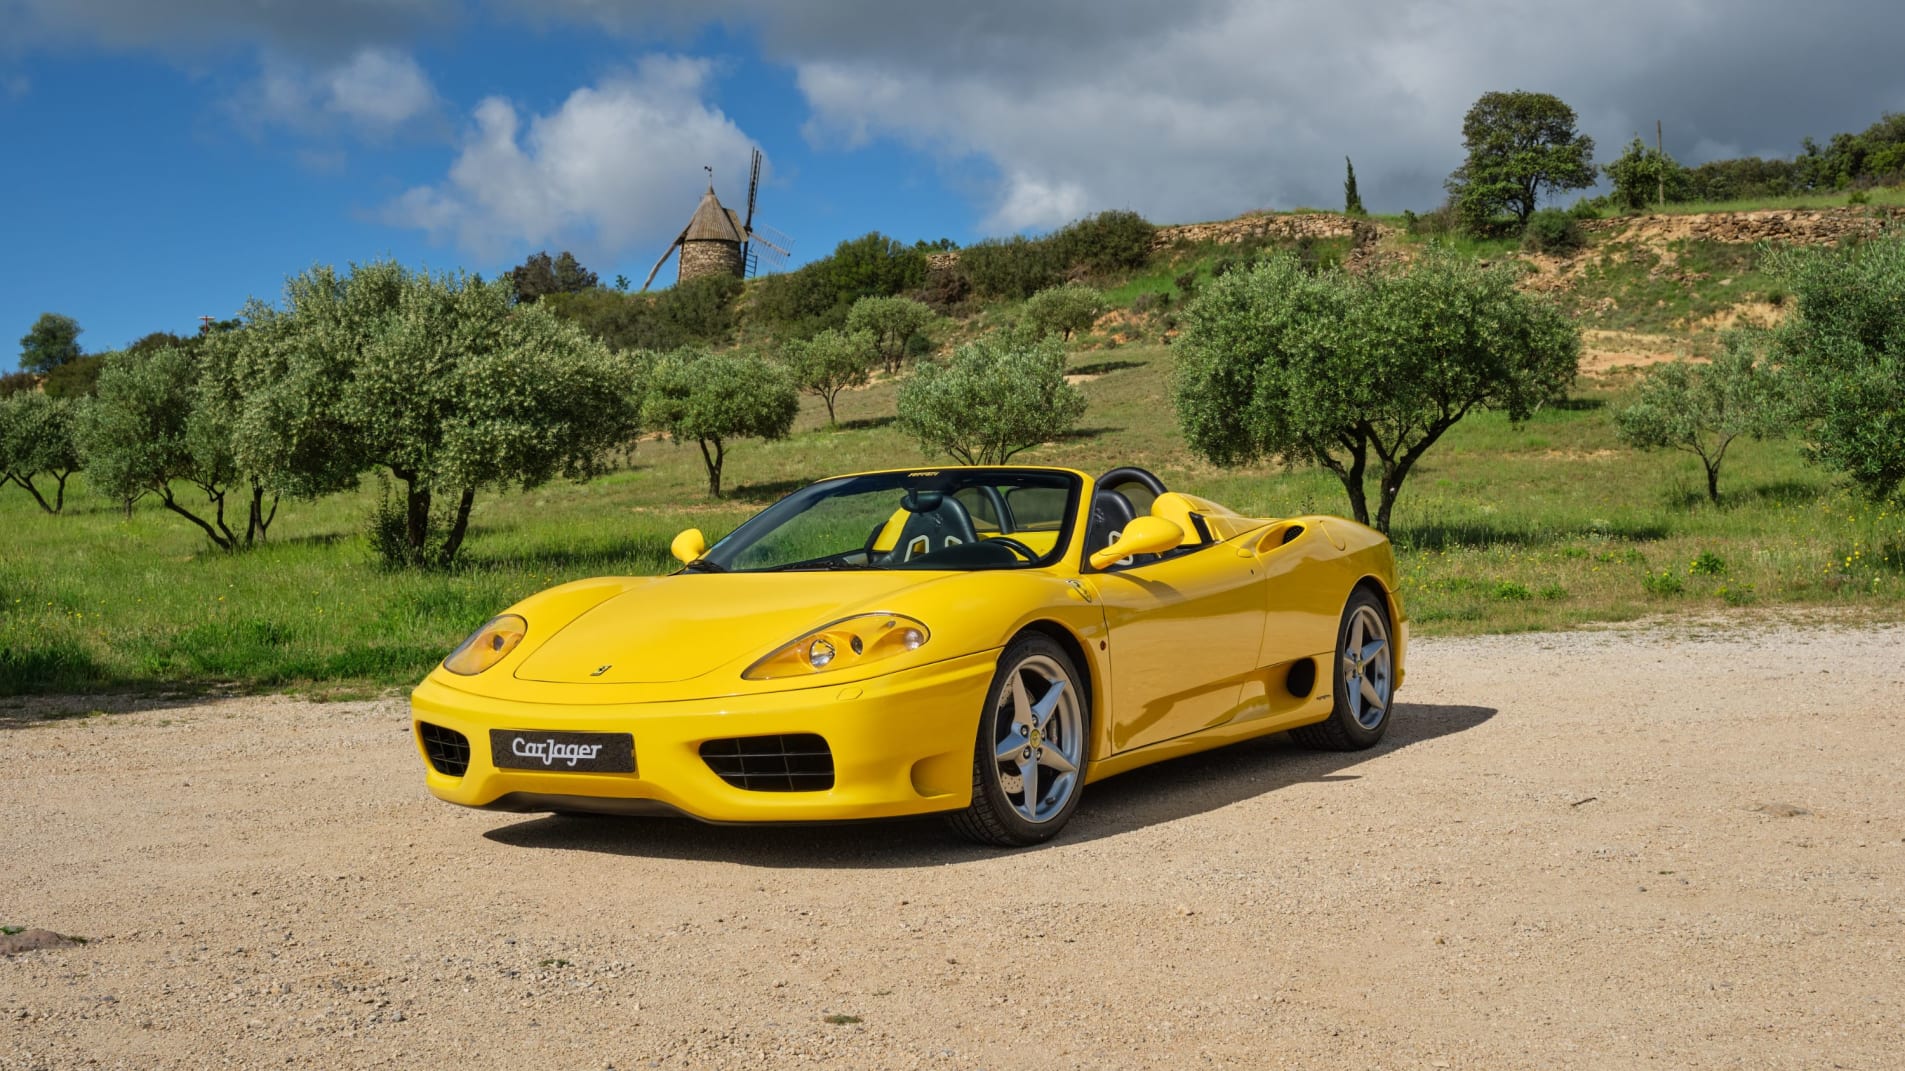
(1793,225)
(709,258)
(1286,227)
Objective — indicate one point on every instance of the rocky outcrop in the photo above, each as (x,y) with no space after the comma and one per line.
(1793,225)
(1257,226)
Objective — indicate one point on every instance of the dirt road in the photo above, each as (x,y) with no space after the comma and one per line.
(1592,850)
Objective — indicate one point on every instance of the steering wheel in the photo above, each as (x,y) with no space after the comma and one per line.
(1014,546)
(1124,474)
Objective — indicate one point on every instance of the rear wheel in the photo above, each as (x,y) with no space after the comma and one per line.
(1364,674)
(1029,758)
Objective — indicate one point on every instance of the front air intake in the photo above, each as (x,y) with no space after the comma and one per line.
(447,749)
(792,762)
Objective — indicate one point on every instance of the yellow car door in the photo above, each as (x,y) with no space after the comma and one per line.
(1184,632)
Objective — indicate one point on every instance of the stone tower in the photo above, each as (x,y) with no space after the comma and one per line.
(710,244)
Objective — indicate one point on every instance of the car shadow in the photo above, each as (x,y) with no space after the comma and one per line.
(1165,792)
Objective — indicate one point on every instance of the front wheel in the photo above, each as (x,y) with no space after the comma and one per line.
(1364,674)
(1030,755)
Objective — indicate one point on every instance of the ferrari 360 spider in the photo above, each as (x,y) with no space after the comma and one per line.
(977,641)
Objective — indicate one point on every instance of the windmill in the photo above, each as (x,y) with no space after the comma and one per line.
(716,241)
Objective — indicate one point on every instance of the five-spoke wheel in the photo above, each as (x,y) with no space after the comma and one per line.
(1365,680)
(1032,747)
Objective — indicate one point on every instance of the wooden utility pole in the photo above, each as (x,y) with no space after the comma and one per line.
(1660,164)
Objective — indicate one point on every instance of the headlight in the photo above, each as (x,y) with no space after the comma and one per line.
(842,645)
(487,645)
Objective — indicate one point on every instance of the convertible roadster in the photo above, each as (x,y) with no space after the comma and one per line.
(980,641)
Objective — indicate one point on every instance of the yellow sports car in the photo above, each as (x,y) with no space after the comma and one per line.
(981,642)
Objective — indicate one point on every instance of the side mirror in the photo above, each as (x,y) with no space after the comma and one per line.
(1144,535)
(689,546)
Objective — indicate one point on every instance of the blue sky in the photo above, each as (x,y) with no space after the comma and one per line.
(164,161)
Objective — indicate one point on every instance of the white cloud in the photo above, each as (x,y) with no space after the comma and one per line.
(375,92)
(1209,107)
(616,167)
(379,88)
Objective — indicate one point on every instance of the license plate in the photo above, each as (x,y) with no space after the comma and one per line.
(523,749)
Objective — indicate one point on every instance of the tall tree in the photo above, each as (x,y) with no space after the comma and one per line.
(1352,200)
(52,341)
(1350,373)
(1520,145)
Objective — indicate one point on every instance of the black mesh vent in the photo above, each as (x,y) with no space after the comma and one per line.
(449,750)
(795,762)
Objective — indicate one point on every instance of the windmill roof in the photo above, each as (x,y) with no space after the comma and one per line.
(712,222)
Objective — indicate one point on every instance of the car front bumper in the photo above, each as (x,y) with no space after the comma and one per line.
(901,744)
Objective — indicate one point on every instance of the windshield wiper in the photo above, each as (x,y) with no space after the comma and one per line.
(816,566)
(703,565)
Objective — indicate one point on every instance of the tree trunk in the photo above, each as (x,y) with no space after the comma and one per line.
(1713,480)
(458,527)
(416,527)
(713,461)
(27,482)
(258,520)
(59,499)
(221,542)
(831,422)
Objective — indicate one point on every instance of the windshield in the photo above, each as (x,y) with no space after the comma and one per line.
(950,519)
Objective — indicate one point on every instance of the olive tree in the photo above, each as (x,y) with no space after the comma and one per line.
(1064,310)
(712,399)
(37,440)
(830,362)
(443,383)
(1701,409)
(144,433)
(894,323)
(1352,373)
(1841,359)
(995,396)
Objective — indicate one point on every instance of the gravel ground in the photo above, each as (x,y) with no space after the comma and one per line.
(1591,850)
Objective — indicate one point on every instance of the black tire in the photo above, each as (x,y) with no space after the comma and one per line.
(1355,722)
(994,817)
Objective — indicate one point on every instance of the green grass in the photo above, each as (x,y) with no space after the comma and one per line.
(1630,286)
(1500,529)
(1889,196)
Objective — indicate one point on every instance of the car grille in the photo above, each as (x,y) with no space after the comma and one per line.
(448,750)
(792,762)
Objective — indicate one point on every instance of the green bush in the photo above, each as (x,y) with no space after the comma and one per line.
(1107,243)
(1064,310)
(1707,564)
(1011,268)
(1663,584)
(996,396)
(1551,230)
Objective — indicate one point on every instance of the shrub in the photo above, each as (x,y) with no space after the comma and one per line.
(894,324)
(998,395)
(1842,358)
(1064,310)
(1012,268)
(831,362)
(1664,584)
(1149,302)
(1641,173)
(1362,374)
(713,398)
(1510,591)
(1551,230)
(37,439)
(946,288)
(1707,564)
(1107,243)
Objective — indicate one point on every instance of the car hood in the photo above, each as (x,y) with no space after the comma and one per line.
(678,627)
